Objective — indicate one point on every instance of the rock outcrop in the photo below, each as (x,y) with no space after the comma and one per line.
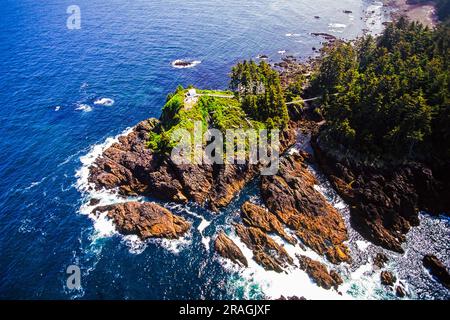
(400,291)
(291,195)
(127,164)
(256,216)
(229,250)
(384,202)
(319,273)
(146,220)
(132,168)
(437,269)
(380,260)
(387,278)
(266,251)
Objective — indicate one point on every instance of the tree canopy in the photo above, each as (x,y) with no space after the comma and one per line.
(259,89)
(388,96)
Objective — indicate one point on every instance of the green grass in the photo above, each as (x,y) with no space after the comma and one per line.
(213,112)
(218,92)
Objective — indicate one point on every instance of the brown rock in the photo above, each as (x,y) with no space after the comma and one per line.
(387,278)
(319,273)
(380,260)
(256,216)
(196,181)
(400,292)
(94,202)
(229,180)
(291,196)
(131,167)
(384,201)
(437,269)
(228,249)
(266,251)
(146,220)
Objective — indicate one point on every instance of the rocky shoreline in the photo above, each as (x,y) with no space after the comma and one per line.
(384,206)
(384,200)
(132,169)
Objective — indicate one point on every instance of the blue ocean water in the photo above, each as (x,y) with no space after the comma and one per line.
(50,78)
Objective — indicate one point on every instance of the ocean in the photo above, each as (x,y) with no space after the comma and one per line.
(66,94)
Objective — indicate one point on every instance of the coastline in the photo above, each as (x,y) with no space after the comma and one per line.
(423,13)
(281,267)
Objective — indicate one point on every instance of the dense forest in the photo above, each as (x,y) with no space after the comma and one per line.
(388,97)
(384,97)
(259,89)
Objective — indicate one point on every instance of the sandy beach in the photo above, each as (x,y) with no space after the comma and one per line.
(424,13)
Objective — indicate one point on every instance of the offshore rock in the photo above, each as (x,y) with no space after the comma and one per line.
(319,273)
(146,220)
(437,269)
(266,252)
(228,249)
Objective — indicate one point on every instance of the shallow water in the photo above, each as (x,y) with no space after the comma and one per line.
(65,92)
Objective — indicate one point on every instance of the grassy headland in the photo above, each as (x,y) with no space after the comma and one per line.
(256,102)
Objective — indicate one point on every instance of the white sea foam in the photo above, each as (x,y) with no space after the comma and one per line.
(104,102)
(282,51)
(374,21)
(89,191)
(362,245)
(35,183)
(294,282)
(84,107)
(175,245)
(203,222)
(134,243)
(190,64)
(362,283)
(337,27)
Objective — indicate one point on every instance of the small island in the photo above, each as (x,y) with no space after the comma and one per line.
(182,64)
